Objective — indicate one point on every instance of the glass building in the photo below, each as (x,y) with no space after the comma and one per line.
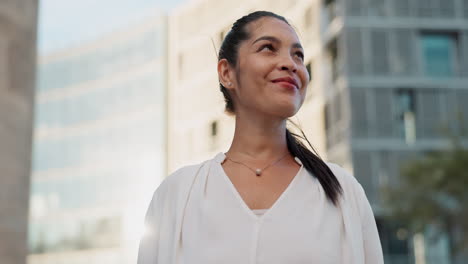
(99,146)
(403,71)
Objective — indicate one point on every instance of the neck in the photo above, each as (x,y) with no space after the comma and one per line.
(258,138)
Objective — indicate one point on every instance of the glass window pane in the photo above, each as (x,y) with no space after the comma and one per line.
(439,55)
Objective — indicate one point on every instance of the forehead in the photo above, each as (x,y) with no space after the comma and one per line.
(270,26)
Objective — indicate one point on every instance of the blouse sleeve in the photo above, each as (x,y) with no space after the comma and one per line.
(149,244)
(372,247)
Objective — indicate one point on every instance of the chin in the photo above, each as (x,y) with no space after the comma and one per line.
(286,111)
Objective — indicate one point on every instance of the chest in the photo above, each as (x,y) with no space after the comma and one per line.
(261,192)
(301,227)
(295,238)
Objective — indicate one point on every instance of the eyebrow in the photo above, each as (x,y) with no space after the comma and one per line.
(276,40)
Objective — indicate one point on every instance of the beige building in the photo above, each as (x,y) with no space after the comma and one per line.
(197,126)
(18,23)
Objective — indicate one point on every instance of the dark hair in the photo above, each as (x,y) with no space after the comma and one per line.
(311,161)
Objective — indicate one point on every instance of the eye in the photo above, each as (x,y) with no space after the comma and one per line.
(300,54)
(267,46)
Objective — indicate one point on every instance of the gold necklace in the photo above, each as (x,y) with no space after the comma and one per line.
(257,171)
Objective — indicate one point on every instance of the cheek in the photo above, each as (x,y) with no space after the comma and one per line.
(304,75)
(260,69)
(305,79)
(254,75)
(249,84)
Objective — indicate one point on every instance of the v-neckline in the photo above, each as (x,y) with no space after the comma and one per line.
(220,158)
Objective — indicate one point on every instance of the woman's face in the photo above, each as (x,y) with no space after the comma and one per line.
(270,75)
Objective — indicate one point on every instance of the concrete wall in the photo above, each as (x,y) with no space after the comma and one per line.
(18,23)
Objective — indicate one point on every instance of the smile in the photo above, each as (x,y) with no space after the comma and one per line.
(287,82)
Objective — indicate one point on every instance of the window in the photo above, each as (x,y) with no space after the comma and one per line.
(355,58)
(221,37)
(402,8)
(405,114)
(465,9)
(214,128)
(333,55)
(380,51)
(309,94)
(439,54)
(403,60)
(309,70)
(353,7)
(222,34)
(327,124)
(435,9)
(359,112)
(395,239)
(330,10)
(326,117)
(377,8)
(214,135)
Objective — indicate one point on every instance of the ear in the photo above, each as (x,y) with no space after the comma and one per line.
(226,74)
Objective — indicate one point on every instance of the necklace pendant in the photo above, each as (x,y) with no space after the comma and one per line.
(258,172)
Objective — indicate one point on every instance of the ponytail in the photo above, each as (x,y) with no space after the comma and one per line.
(314,164)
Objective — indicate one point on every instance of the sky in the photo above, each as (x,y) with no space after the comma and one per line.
(67,23)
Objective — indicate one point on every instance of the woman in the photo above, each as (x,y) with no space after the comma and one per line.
(268,199)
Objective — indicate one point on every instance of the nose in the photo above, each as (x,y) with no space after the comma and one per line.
(287,64)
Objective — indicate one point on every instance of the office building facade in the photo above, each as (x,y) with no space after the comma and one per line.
(99,148)
(404,69)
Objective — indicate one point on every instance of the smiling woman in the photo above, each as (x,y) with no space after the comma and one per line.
(269,64)
(268,199)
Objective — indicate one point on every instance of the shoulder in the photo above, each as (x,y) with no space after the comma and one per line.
(358,216)
(180,177)
(174,186)
(352,189)
(169,195)
(344,177)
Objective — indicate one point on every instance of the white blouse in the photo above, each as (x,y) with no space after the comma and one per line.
(301,227)
(196,216)
(259,212)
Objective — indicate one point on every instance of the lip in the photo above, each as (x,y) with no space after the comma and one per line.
(287,80)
